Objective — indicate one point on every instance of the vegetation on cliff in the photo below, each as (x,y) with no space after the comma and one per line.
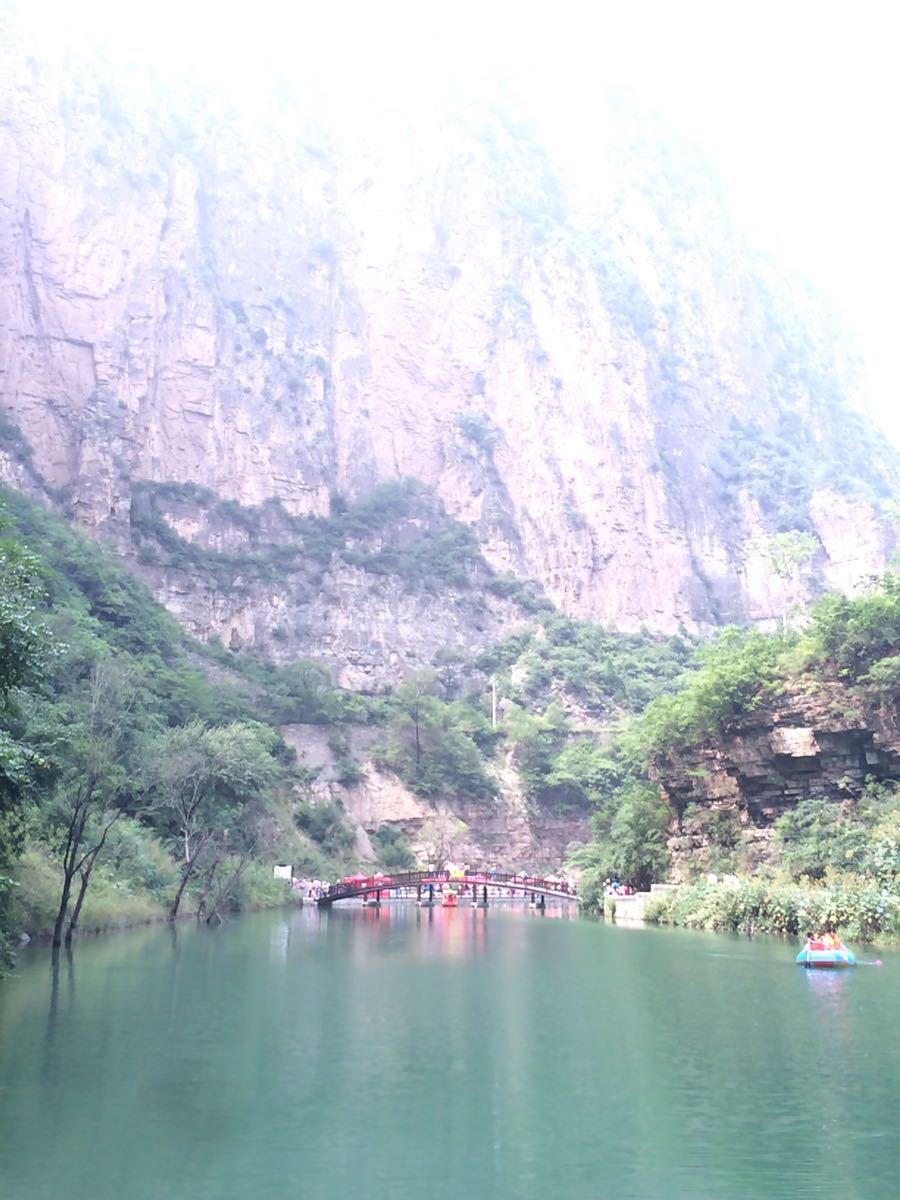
(399,529)
(143,764)
(834,855)
(138,742)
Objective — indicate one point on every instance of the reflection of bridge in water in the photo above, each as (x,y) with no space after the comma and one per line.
(478,881)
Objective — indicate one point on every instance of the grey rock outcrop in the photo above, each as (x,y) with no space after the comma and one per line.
(821,744)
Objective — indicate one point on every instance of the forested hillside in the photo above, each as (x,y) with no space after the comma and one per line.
(137,770)
(777,764)
(144,771)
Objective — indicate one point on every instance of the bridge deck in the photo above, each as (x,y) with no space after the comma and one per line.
(374,884)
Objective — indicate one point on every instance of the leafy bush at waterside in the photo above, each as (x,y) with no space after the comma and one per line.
(25,654)
(629,843)
(839,863)
(861,835)
(858,906)
(115,899)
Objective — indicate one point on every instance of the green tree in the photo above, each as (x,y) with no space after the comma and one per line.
(536,740)
(449,665)
(428,748)
(24,650)
(253,833)
(631,840)
(585,773)
(851,636)
(324,823)
(206,783)
(88,737)
(392,848)
(736,672)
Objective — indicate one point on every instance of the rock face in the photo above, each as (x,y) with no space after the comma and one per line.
(508,835)
(821,745)
(588,371)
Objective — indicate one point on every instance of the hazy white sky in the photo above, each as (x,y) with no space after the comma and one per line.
(796,102)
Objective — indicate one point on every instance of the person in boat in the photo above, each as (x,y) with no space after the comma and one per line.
(831,941)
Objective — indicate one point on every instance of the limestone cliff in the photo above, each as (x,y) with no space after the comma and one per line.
(589,371)
(505,835)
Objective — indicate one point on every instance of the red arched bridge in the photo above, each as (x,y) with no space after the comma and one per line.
(375,885)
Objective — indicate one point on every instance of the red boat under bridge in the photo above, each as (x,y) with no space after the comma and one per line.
(377,885)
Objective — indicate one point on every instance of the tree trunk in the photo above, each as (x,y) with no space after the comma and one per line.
(185,876)
(207,886)
(63,906)
(84,869)
(70,856)
(76,912)
(226,887)
(189,866)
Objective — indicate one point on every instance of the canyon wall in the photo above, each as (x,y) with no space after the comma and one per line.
(587,369)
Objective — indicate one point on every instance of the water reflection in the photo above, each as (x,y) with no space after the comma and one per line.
(394,1051)
(62,963)
(829,993)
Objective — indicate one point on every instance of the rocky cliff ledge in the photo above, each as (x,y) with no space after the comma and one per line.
(816,744)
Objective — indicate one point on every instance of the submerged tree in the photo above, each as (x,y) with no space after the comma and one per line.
(90,736)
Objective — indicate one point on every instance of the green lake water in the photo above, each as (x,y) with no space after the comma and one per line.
(407,1053)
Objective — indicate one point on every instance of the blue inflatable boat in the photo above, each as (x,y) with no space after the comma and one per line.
(827,958)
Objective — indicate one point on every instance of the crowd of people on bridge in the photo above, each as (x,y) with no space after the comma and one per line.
(310,889)
(461,880)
